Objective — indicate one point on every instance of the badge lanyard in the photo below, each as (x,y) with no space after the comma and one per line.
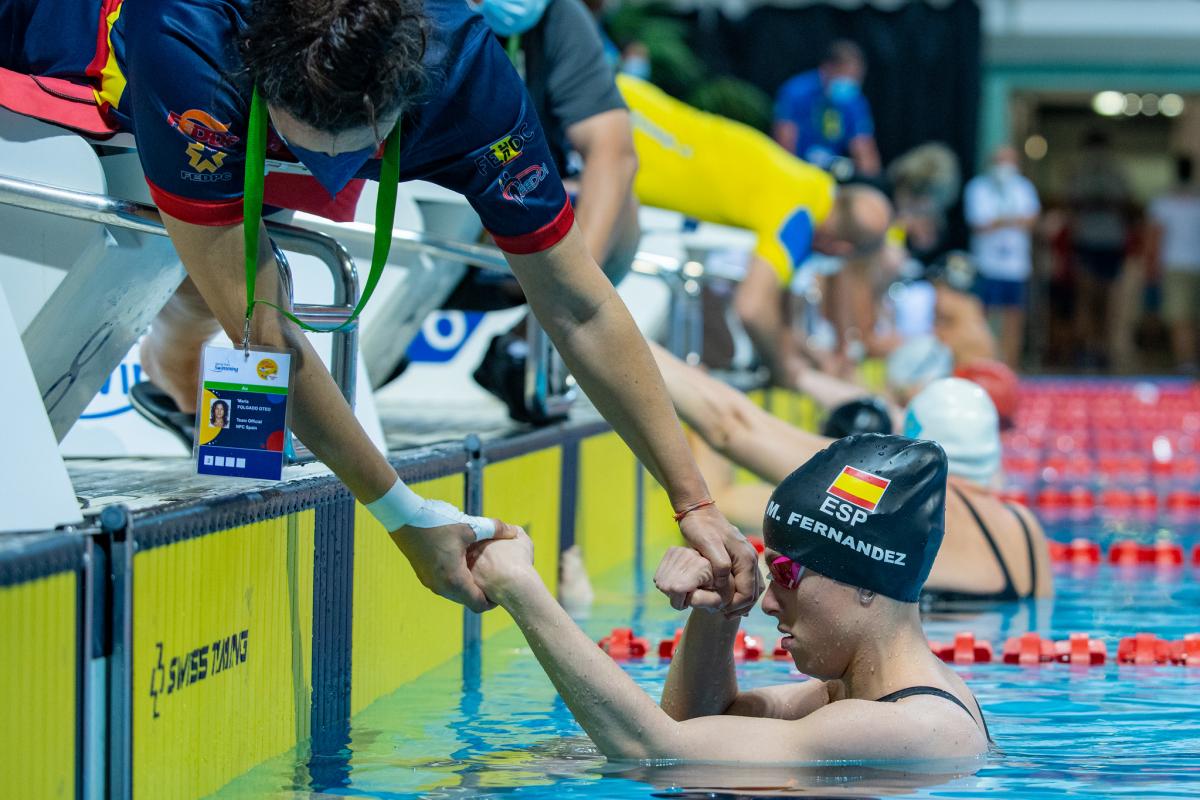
(385,215)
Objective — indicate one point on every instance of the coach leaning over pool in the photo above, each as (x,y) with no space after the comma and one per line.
(341,83)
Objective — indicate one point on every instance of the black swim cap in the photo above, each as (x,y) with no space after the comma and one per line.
(868,511)
(864,415)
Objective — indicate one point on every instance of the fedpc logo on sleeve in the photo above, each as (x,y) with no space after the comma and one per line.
(505,150)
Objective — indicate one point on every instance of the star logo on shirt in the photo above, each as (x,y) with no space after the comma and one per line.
(199,158)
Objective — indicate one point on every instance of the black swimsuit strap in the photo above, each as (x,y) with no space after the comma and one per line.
(1033,576)
(933,691)
(1010,590)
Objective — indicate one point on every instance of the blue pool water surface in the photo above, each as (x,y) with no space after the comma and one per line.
(1061,731)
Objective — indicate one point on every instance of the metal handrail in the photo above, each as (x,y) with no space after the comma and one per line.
(683,279)
(546,391)
(131,215)
(685,332)
(408,241)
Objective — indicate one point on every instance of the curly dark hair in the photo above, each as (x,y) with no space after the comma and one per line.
(212,412)
(336,64)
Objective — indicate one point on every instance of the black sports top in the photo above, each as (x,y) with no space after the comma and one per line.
(1009,592)
(936,692)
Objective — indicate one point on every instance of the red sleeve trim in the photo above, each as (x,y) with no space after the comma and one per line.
(197,212)
(543,238)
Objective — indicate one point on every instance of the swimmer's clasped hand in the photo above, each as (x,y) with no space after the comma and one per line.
(504,564)
(734,562)
(686,578)
(434,536)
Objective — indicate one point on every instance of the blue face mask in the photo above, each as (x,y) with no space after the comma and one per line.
(510,17)
(332,172)
(842,90)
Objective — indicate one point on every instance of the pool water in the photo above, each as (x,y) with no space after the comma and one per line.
(1111,731)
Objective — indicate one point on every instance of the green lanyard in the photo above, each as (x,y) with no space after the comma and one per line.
(385,215)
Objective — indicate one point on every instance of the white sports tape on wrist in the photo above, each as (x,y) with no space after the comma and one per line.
(402,506)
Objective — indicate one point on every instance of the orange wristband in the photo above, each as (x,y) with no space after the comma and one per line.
(679,515)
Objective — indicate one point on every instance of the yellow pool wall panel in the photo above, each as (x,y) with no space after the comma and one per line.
(606,503)
(39,659)
(222,654)
(527,491)
(401,629)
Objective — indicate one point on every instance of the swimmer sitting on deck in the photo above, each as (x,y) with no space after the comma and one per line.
(845,598)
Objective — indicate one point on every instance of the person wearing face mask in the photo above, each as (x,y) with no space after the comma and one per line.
(821,115)
(321,89)
(794,208)
(851,536)
(1001,206)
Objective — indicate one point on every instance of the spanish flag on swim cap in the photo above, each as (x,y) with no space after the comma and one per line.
(868,511)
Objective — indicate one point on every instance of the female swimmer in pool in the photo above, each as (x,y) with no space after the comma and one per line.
(846,604)
(993,551)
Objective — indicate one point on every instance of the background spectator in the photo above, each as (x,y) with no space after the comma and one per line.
(821,115)
(1001,207)
(1174,247)
(1100,199)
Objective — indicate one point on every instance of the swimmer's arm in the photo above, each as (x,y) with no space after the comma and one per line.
(758,303)
(847,730)
(829,391)
(214,259)
(622,720)
(864,306)
(702,681)
(625,723)
(606,143)
(784,701)
(786,134)
(865,154)
(730,423)
(599,342)
(321,418)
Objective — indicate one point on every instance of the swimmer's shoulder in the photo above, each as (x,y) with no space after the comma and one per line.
(915,728)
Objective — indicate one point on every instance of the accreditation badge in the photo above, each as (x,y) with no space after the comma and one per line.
(243,415)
